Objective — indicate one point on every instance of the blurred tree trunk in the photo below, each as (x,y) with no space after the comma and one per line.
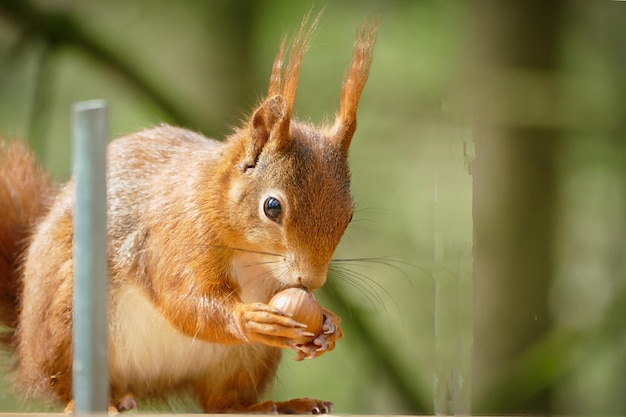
(591,296)
(514,60)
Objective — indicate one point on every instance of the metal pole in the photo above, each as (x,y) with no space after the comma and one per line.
(91,369)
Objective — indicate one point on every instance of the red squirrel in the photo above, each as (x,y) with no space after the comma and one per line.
(201,233)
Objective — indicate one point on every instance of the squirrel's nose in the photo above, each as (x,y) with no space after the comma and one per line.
(311,282)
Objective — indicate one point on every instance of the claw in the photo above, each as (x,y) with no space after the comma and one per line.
(307,352)
(328,328)
(322,343)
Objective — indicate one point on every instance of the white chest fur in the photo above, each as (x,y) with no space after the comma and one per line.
(259,275)
(147,348)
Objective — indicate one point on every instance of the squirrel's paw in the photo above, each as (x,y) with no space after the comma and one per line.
(124,403)
(304,406)
(264,324)
(325,341)
(116,406)
(295,406)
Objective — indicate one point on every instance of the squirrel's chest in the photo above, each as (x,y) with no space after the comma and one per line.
(146,349)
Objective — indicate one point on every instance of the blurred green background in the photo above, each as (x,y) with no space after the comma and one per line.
(487,270)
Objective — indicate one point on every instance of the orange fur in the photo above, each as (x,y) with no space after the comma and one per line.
(195,252)
(25,192)
(356,77)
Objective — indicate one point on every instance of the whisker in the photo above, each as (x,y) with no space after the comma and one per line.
(258,252)
(251,265)
(355,277)
(382,260)
(364,213)
(356,280)
(361,222)
(230,294)
(362,225)
(275,273)
(233,248)
(363,287)
(333,287)
(394,264)
(375,292)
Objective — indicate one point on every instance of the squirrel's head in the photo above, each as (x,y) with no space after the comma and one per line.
(290,182)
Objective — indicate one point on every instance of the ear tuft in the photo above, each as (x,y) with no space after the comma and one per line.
(286,69)
(354,82)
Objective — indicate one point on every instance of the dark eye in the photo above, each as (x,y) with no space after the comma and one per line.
(273,209)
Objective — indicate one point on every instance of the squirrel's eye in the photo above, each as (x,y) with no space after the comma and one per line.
(273,209)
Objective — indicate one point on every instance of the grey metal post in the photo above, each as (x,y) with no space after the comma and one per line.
(91,369)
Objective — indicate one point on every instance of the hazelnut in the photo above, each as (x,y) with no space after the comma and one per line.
(303,307)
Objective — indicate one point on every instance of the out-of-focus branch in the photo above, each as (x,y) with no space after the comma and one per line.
(62,29)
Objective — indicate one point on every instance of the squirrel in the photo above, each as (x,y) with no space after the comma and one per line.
(201,234)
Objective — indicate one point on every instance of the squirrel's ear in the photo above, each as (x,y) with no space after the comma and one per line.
(269,122)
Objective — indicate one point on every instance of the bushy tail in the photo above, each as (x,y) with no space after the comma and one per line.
(25,193)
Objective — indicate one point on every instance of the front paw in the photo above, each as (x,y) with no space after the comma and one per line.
(261,323)
(325,341)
